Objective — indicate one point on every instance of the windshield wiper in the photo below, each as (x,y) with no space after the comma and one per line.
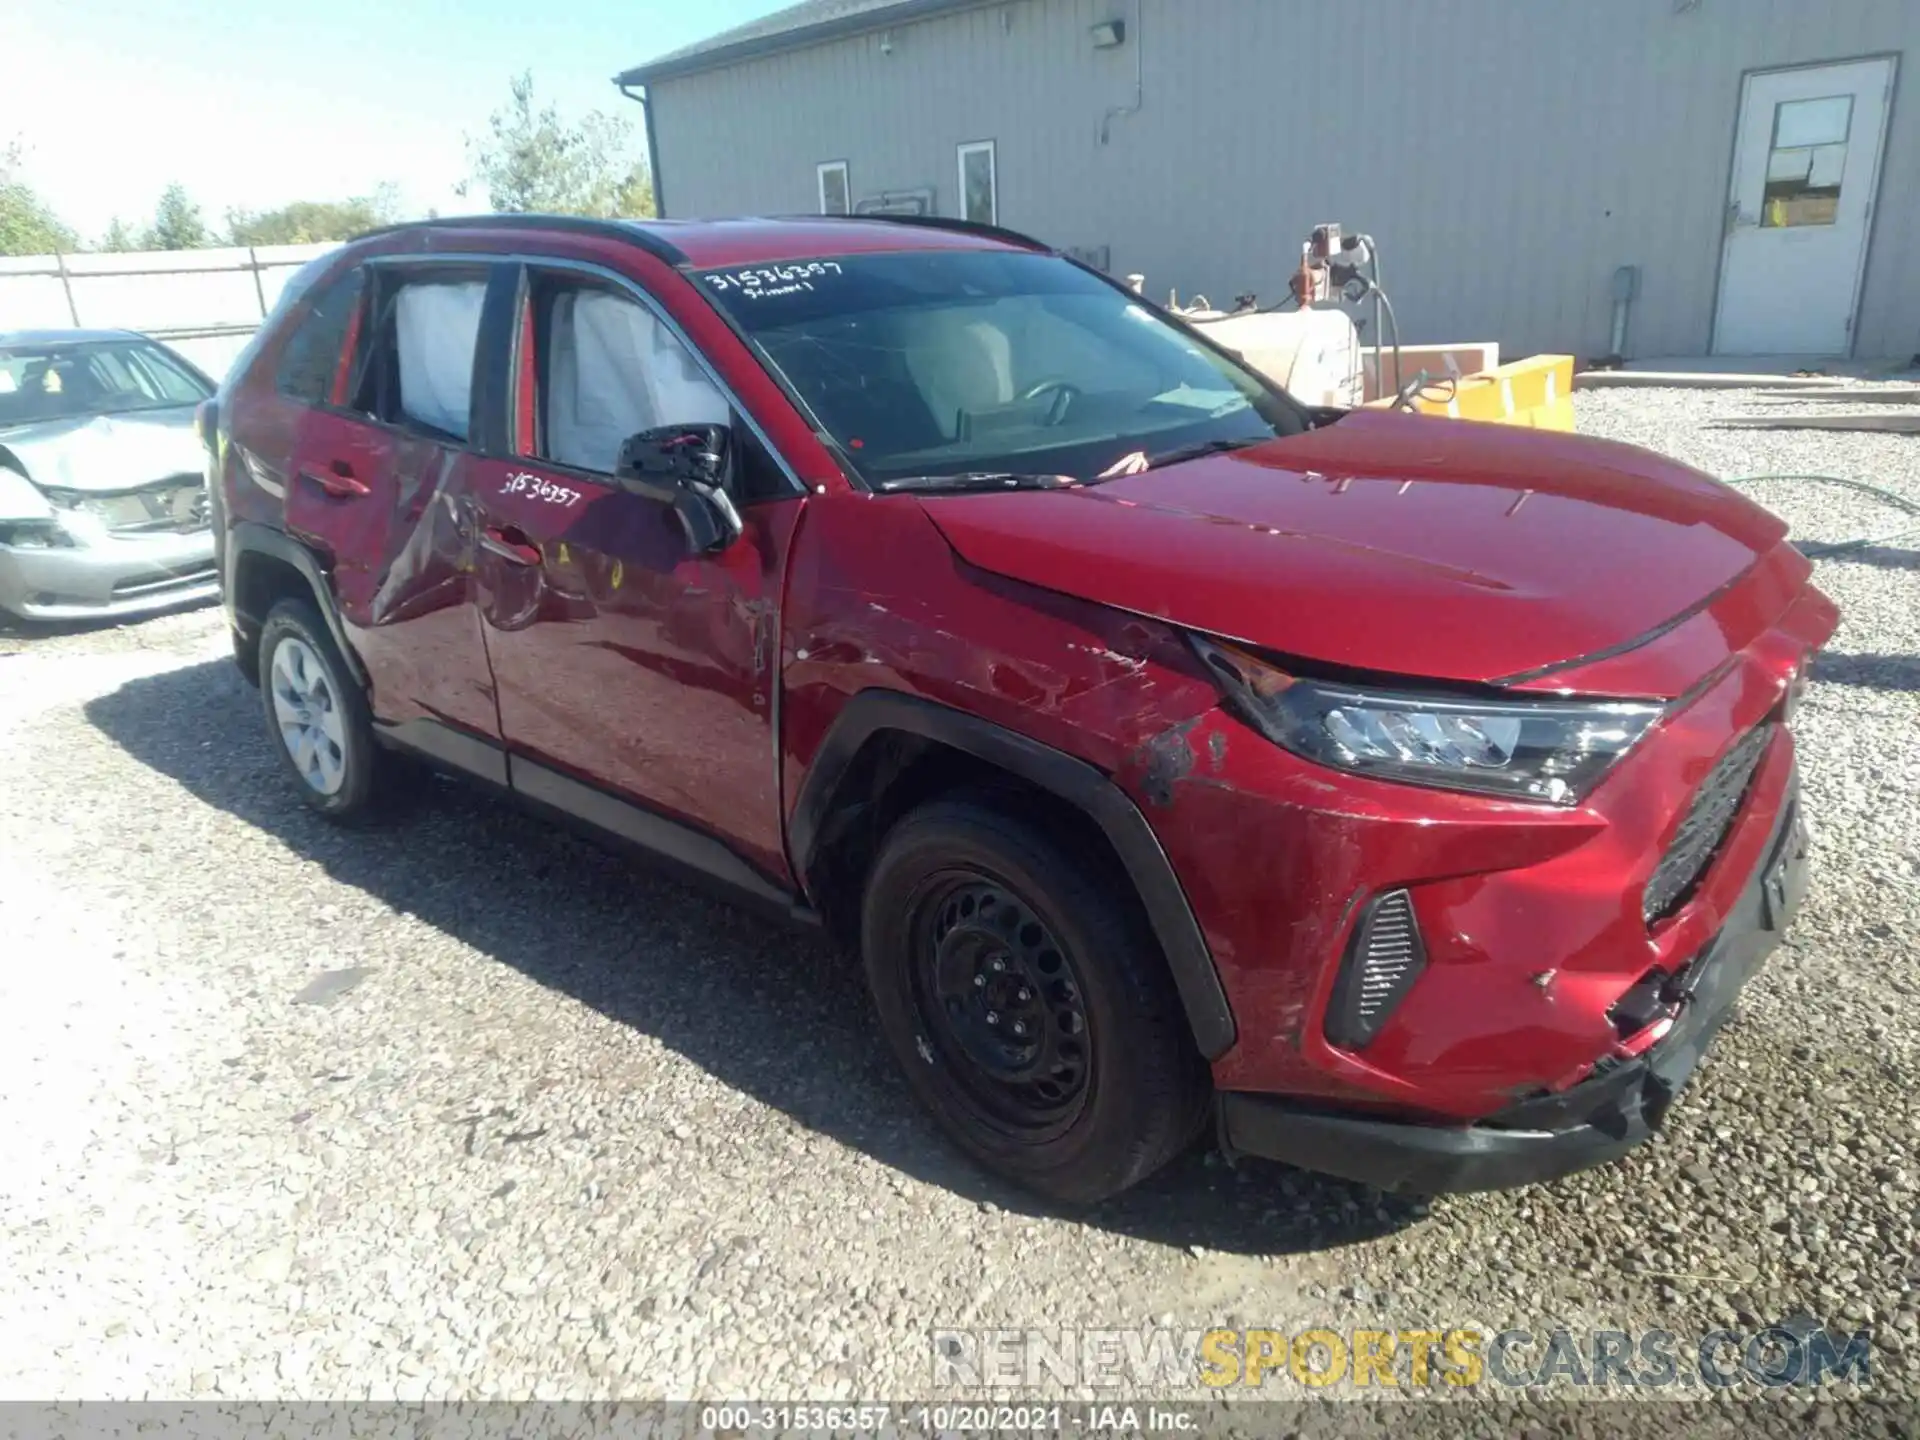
(1204,447)
(973,480)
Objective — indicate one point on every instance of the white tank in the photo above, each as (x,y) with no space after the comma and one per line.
(1313,354)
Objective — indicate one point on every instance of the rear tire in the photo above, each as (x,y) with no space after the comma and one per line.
(1028,1002)
(317,715)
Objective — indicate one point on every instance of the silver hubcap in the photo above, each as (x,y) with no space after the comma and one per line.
(309,716)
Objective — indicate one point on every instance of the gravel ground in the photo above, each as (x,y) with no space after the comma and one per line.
(464,1108)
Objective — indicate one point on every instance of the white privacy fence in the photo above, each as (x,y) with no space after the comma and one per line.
(204,303)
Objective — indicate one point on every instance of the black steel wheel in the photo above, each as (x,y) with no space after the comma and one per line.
(995,990)
(1020,985)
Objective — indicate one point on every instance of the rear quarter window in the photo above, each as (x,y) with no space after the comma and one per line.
(311,356)
(295,287)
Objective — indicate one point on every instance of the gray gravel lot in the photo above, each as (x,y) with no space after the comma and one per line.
(465,1108)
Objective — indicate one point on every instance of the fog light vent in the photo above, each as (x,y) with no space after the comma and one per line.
(1384,959)
(1705,828)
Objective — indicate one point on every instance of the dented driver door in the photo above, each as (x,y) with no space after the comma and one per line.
(630,671)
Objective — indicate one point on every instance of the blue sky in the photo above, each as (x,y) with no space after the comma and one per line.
(252,103)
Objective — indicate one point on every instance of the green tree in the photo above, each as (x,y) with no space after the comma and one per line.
(635,201)
(177,223)
(119,237)
(307,221)
(533,160)
(28,225)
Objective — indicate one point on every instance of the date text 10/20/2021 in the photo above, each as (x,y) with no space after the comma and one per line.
(959,1418)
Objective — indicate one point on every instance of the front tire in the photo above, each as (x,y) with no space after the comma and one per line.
(1022,990)
(317,714)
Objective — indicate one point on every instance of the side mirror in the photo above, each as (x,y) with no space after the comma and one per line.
(687,467)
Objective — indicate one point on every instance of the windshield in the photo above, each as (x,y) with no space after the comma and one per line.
(107,377)
(949,362)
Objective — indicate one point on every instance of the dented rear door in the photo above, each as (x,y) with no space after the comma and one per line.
(381,487)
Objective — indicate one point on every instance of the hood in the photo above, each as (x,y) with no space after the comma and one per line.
(1402,544)
(106,452)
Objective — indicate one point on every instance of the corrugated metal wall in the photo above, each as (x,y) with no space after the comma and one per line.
(1507,154)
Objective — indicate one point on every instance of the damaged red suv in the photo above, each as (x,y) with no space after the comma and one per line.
(1407,798)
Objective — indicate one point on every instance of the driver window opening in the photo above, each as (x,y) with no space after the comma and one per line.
(605,368)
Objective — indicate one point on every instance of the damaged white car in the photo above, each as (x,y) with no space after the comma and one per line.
(103,501)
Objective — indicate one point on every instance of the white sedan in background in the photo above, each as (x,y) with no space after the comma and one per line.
(103,502)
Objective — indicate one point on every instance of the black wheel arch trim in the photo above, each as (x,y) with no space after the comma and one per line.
(1073,781)
(251,537)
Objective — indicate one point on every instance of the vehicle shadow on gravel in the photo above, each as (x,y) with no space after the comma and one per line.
(20,636)
(1899,673)
(1882,557)
(783,1019)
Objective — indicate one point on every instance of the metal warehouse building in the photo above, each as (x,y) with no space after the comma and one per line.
(1754,161)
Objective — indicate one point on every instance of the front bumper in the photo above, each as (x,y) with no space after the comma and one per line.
(1543,1138)
(108,577)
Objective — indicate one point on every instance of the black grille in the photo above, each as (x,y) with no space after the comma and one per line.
(1705,828)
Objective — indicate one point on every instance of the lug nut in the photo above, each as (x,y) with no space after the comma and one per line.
(1024,995)
(1019,1028)
(979,981)
(993,1017)
(997,965)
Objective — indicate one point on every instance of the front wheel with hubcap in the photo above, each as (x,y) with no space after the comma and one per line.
(316,713)
(1024,993)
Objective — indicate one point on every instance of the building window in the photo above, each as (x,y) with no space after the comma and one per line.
(1808,158)
(835,196)
(979,190)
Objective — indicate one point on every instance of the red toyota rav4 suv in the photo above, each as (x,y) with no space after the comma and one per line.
(1410,797)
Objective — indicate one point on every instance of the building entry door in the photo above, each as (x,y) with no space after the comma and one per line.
(1805,167)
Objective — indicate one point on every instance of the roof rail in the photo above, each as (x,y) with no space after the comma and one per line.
(944,222)
(630,231)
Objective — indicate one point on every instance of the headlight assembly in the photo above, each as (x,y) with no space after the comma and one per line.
(1552,751)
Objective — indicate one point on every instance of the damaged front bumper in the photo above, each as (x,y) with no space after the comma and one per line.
(103,576)
(1600,1118)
